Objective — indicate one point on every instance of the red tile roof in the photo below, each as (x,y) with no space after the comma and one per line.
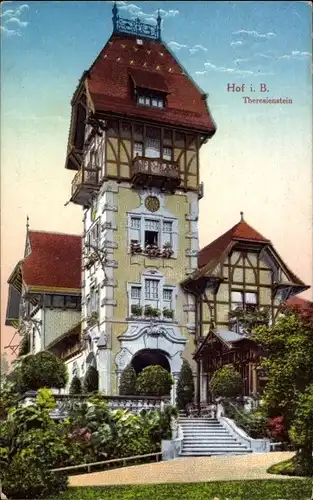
(110,88)
(148,80)
(240,232)
(54,261)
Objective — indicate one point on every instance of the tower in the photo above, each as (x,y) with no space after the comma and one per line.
(138,122)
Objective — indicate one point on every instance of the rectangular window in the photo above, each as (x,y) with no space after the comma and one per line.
(153,148)
(152,232)
(250,298)
(167,153)
(243,299)
(167,233)
(138,149)
(93,236)
(151,289)
(167,295)
(58,301)
(154,103)
(147,101)
(135,229)
(47,300)
(160,103)
(135,292)
(141,99)
(71,302)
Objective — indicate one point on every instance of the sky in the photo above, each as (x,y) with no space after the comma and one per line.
(259,161)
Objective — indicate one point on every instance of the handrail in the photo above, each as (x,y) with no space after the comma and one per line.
(114,460)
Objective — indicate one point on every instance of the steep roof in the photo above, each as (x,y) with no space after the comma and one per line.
(123,63)
(240,232)
(214,253)
(54,261)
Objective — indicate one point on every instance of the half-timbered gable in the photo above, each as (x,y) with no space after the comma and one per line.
(241,281)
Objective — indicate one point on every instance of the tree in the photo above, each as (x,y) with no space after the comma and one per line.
(154,381)
(4,365)
(91,380)
(226,382)
(128,381)
(40,370)
(24,346)
(289,362)
(76,386)
(185,386)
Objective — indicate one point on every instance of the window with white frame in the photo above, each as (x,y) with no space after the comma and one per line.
(151,146)
(150,293)
(93,236)
(147,99)
(148,231)
(243,299)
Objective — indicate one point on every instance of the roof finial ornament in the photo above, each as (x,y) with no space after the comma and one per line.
(27,223)
(159,20)
(241,216)
(115,16)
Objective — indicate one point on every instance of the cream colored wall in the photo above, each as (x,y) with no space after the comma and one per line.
(57,322)
(223,294)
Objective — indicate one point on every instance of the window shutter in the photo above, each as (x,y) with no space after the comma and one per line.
(135,229)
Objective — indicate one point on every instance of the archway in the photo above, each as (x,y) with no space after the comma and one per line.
(147,357)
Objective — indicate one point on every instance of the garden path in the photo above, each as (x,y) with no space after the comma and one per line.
(188,470)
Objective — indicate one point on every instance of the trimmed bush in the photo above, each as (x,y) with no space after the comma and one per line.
(154,381)
(185,386)
(226,382)
(128,381)
(76,386)
(40,370)
(91,380)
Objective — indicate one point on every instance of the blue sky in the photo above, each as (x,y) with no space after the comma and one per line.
(47,45)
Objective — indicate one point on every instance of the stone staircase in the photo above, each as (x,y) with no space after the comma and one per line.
(207,436)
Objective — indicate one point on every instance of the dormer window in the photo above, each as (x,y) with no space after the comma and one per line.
(151,100)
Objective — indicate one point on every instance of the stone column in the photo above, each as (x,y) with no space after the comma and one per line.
(105,371)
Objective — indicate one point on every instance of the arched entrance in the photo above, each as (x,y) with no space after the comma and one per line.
(147,357)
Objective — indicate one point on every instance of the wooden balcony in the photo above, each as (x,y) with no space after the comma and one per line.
(155,172)
(84,184)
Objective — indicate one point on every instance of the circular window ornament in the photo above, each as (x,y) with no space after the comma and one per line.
(152,203)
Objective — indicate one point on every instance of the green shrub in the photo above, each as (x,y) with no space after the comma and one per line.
(226,382)
(40,370)
(154,381)
(34,445)
(28,479)
(76,386)
(185,386)
(91,380)
(128,382)
(24,346)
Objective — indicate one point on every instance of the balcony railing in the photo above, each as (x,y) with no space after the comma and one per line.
(155,172)
(84,183)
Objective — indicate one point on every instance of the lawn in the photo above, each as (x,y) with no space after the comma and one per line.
(289,489)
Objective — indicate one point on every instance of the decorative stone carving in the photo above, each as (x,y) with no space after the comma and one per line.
(193,235)
(110,187)
(122,358)
(109,244)
(111,263)
(108,302)
(109,282)
(109,208)
(191,217)
(191,252)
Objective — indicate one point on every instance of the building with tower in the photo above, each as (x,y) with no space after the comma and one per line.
(134,288)
(137,125)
